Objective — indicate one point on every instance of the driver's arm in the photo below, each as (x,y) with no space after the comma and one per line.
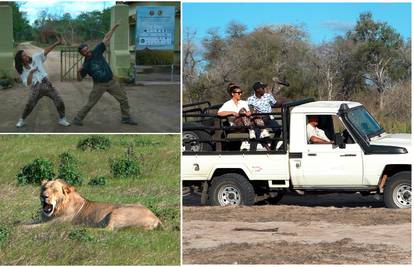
(317,140)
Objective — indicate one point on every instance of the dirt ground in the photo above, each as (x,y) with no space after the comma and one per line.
(156,107)
(316,229)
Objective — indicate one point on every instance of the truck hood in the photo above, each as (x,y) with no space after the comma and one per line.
(400,140)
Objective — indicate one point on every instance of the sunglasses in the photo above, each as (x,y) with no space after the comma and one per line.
(238,92)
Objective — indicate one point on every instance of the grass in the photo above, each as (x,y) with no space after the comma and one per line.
(64,244)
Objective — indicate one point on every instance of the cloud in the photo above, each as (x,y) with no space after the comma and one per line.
(58,8)
(337,26)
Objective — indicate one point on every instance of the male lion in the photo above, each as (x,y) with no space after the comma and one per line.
(61,203)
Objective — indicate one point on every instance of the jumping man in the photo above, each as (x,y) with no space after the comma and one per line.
(96,66)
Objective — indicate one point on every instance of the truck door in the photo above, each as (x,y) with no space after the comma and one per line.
(327,165)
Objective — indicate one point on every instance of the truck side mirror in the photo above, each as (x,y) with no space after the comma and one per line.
(339,140)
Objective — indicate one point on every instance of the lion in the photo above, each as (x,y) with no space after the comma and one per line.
(61,203)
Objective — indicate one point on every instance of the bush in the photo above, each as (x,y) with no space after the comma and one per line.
(4,233)
(69,170)
(95,142)
(80,235)
(127,166)
(98,180)
(35,172)
(67,158)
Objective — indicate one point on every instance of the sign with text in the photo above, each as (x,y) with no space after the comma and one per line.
(155,27)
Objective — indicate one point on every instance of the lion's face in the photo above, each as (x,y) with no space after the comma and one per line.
(53,196)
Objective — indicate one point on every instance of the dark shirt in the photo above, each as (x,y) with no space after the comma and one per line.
(96,65)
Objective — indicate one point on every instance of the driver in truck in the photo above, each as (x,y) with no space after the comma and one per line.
(314,134)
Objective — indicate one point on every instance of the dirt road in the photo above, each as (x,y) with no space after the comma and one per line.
(156,108)
(321,229)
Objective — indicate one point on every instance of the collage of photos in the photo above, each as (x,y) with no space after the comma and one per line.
(183,133)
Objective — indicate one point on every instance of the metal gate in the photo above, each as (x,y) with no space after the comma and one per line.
(70,62)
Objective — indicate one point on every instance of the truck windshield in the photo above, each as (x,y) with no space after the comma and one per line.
(364,122)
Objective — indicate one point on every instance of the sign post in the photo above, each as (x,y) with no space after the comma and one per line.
(155,27)
(6,42)
(119,43)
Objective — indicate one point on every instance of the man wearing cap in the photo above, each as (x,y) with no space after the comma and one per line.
(314,134)
(262,103)
(96,66)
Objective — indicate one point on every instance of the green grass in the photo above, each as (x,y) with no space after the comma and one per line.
(64,244)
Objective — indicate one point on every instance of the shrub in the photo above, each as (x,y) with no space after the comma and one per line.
(80,235)
(35,172)
(95,142)
(126,166)
(67,158)
(4,233)
(98,180)
(69,170)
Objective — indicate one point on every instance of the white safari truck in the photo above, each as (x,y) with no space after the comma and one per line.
(363,158)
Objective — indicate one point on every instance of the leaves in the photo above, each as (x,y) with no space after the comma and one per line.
(33,173)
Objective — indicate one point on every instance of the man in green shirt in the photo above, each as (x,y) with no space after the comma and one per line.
(96,66)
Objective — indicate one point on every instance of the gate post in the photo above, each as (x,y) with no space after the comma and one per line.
(6,42)
(120,60)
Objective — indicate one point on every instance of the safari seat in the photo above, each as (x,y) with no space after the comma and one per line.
(244,135)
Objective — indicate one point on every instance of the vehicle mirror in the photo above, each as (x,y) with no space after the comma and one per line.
(339,140)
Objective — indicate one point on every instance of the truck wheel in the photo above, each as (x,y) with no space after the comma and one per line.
(231,189)
(194,144)
(397,191)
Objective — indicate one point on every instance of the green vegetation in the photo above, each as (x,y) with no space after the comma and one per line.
(64,244)
(33,173)
(90,25)
(98,180)
(4,233)
(80,234)
(94,142)
(69,170)
(127,166)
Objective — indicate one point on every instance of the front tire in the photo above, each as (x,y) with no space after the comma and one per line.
(397,192)
(231,189)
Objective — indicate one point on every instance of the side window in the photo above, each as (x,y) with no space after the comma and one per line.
(339,127)
(319,129)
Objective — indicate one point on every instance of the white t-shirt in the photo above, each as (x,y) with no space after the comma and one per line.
(315,131)
(230,106)
(37,61)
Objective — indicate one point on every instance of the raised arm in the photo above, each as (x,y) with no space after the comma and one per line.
(108,35)
(50,48)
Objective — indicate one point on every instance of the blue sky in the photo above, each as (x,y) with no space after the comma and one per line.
(322,21)
(33,8)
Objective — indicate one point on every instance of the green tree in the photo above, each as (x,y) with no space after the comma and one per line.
(379,53)
(22,31)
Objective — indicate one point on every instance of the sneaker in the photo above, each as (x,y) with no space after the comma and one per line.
(128,120)
(77,121)
(63,122)
(252,134)
(21,123)
(264,133)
